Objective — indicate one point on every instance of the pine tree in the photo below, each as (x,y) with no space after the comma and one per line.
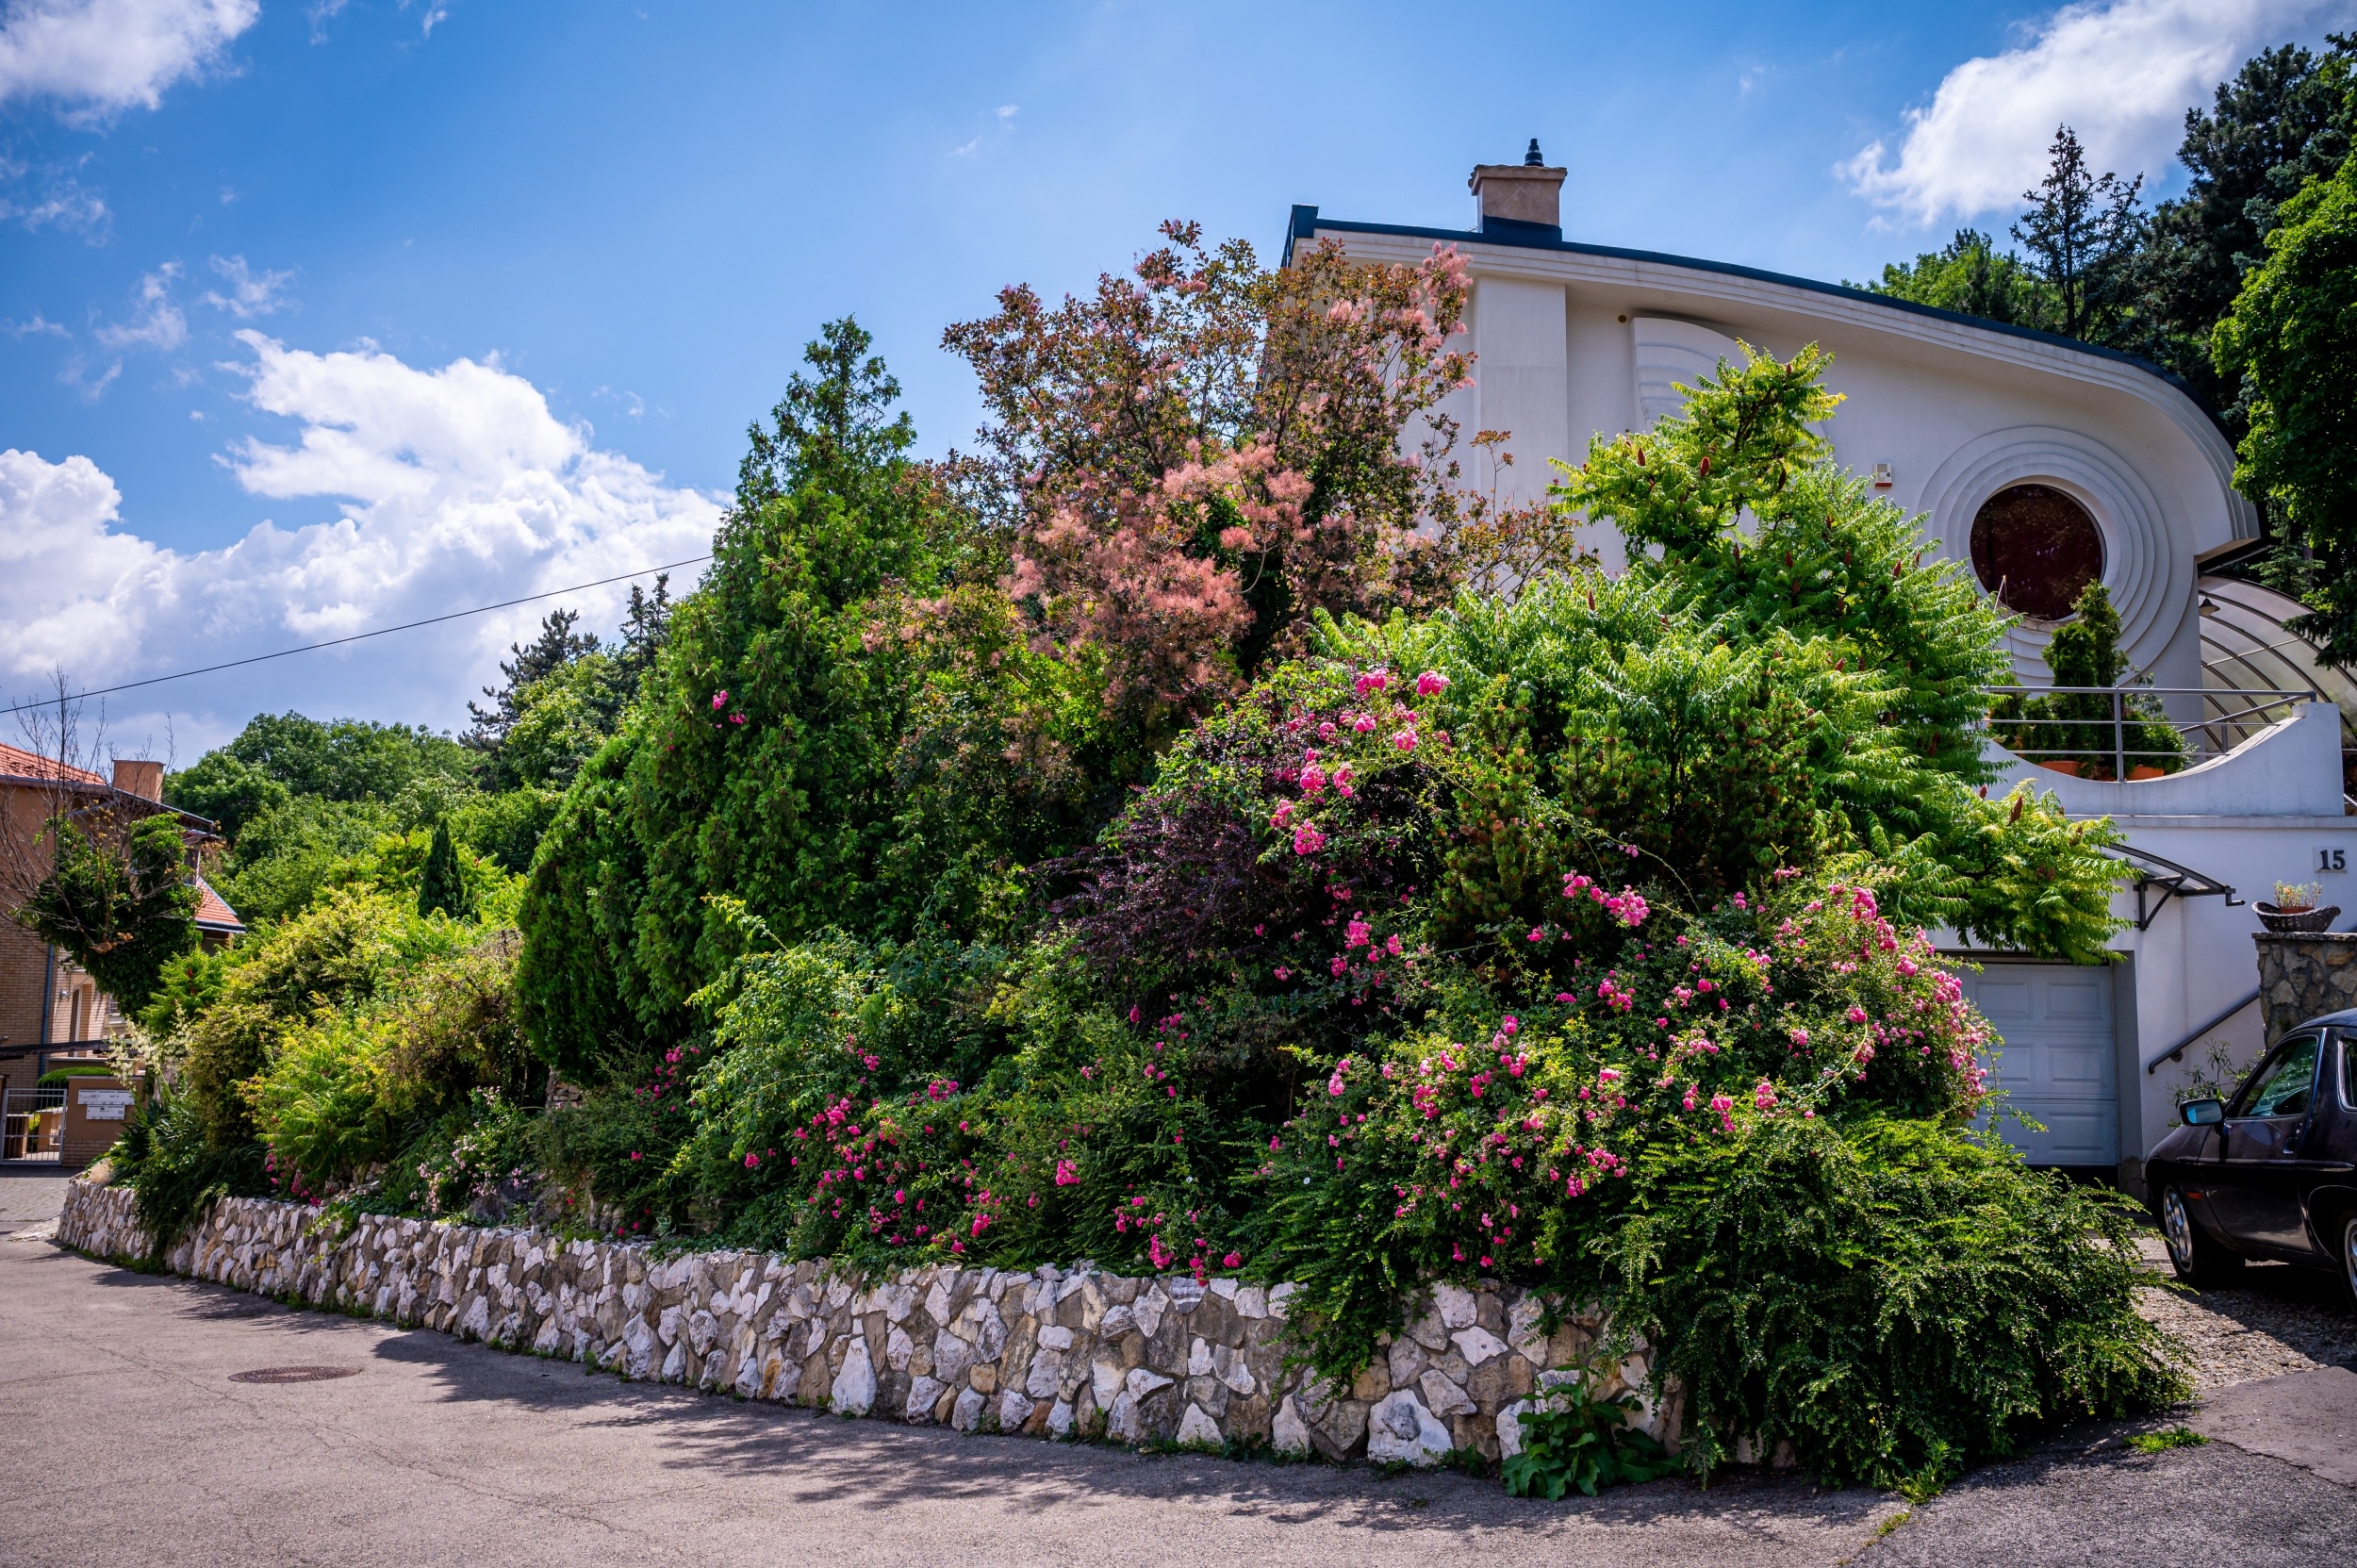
(2083,233)
(441,886)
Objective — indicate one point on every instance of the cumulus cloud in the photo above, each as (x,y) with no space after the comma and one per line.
(97,56)
(251,293)
(429,490)
(2122,73)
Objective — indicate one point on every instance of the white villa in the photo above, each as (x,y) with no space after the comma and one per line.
(2038,463)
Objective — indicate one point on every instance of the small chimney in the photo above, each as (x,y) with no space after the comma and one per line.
(1523,198)
(142,779)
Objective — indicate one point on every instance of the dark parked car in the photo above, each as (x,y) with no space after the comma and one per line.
(2272,1172)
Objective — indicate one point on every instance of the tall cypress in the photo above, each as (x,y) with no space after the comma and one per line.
(441,886)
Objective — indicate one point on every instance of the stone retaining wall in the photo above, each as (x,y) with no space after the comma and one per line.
(2303,976)
(1050,1353)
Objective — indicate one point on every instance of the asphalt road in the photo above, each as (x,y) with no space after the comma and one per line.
(134,1447)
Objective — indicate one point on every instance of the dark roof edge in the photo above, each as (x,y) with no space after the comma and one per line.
(1538,236)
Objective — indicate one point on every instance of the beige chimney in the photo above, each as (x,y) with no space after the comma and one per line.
(142,779)
(1525,192)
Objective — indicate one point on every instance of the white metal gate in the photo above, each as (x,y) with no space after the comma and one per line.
(2058,1062)
(32,1124)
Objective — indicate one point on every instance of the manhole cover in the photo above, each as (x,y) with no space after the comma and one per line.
(292,1373)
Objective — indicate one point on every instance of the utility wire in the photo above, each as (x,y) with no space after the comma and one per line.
(356,636)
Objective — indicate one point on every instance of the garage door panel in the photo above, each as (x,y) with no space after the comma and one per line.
(2079,1066)
(2056,1058)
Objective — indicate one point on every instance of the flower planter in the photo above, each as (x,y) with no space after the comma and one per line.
(2296,919)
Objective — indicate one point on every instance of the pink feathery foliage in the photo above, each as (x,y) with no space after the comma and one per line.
(1199,456)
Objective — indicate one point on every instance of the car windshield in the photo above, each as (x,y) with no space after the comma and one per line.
(2280,1088)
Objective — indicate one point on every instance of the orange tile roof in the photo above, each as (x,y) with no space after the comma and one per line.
(15,762)
(212,909)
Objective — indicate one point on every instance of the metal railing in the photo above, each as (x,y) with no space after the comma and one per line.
(32,1124)
(2229,716)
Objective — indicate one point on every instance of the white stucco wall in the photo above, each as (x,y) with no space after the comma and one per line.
(1574,343)
(2260,814)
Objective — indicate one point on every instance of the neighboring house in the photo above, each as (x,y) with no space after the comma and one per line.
(2039,464)
(51,1012)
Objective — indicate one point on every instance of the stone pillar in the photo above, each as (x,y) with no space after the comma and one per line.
(2302,976)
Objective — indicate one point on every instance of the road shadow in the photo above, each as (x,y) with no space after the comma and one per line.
(881,1465)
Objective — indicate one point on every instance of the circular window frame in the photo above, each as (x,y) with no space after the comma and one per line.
(2089,507)
(2149,568)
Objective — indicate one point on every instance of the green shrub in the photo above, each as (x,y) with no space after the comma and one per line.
(175,1170)
(59,1078)
(1896,1298)
(1572,1439)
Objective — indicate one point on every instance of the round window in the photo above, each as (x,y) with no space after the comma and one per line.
(2036,550)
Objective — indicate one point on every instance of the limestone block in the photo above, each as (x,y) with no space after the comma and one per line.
(1444,1397)
(1477,1345)
(1400,1430)
(1196,1427)
(1456,1306)
(853,1392)
(1288,1432)
(924,1393)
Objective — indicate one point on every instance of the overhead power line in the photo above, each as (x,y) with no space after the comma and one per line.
(356,636)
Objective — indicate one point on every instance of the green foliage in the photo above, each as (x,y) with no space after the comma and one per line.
(57,1077)
(1574,1439)
(842,730)
(2077,728)
(477,1162)
(176,1169)
(2292,341)
(288,854)
(184,987)
(1971,276)
(2284,120)
(2167,1438)
(344,759)
(119,900)
(2083,232)
(504,828)
(1896,1299)
(348,1085)
(226,790)
(440,888)
(343,951)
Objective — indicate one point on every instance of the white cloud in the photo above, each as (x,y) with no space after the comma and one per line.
(1008,111)
(97,56)
(251,293)
(2121,75)
(159,323)
(452,488)
(63,202)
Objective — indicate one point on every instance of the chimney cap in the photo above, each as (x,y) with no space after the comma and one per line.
(140,777)
(1524,197)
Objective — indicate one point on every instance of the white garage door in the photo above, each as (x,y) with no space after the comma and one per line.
(2056,1064)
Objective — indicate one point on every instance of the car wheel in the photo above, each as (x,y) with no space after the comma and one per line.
(2199,1260)
(2348,1260)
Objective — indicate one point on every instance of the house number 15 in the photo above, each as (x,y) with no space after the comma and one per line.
(2332,860)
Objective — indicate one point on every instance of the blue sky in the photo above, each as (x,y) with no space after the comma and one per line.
(315,318)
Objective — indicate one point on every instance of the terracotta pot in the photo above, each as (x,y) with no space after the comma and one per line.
(2296,919)
(2145,770)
